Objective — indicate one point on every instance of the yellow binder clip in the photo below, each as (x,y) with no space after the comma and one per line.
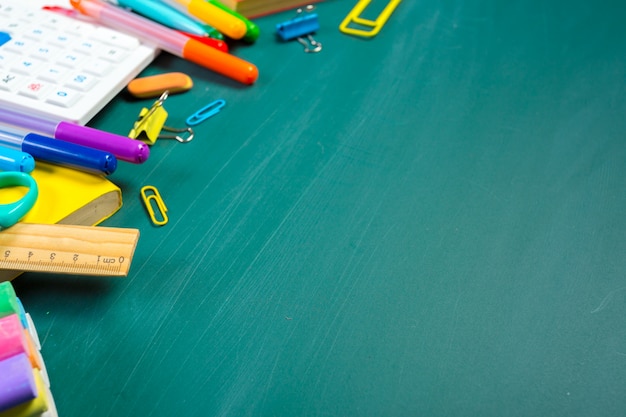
(354,18)
(151,122)
(151,198)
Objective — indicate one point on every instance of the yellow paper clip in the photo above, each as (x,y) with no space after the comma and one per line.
(151,122)
(354,18)
(151,197)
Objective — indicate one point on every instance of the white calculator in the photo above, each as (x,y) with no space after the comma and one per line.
(62,67)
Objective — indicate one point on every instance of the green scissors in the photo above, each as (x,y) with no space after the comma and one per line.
(12,213)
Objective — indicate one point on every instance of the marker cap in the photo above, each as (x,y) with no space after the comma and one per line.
(220,62)
(14,160)
(69,154)
(122,147)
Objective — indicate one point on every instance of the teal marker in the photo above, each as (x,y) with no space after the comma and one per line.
(252,30)
(168,16)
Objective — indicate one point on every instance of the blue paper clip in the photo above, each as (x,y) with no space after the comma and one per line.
(299,27)
(204,113)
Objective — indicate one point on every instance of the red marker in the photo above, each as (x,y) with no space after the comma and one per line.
(207,40)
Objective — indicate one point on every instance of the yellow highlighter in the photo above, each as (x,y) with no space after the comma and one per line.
(212,15)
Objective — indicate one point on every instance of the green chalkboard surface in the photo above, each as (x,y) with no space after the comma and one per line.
(430,222)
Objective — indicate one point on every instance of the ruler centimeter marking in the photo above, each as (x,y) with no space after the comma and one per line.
(69,249)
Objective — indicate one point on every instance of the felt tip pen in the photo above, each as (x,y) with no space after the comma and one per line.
(122,147)
(58,152)
(208,40)
(212,15)
(162,13)
(252,30)
(169,40)
(14,160)
(208,31)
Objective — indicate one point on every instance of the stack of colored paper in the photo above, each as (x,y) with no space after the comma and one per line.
(24,383)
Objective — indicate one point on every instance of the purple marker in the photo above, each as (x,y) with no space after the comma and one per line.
(17,384)
(122,147)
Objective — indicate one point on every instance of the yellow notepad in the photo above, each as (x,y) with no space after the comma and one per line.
(66,196)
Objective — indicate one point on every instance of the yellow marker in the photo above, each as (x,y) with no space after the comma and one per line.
(213,16)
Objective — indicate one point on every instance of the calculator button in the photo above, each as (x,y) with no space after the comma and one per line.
(78,28)
(70,59)
(86,47)
(51,20)
(44,52)
(5,10)
(4,38)
(27,65)
(62,40)
(14,26)
(53,73)
(113,54)
(7,57)
(10,81)
(34,89)
(80,81)
(36,33)
(63,98)
(19,46)
(97,67)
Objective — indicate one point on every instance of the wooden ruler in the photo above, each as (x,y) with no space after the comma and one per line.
(66,249)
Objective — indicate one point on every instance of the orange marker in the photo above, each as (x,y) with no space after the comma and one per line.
(169,40)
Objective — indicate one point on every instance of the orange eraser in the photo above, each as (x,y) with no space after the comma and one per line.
(155,85)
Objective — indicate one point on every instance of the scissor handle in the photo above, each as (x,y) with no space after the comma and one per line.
(11,213)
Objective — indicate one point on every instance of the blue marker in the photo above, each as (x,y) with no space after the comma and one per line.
(60,152)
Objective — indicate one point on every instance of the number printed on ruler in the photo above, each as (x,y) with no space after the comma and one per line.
(59,261)
(57,248)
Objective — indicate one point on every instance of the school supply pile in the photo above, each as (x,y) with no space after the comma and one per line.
(66,196)
(24,383)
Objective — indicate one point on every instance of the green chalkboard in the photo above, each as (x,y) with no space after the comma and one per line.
(430,222)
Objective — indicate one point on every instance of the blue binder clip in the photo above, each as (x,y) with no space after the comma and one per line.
(299,27)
